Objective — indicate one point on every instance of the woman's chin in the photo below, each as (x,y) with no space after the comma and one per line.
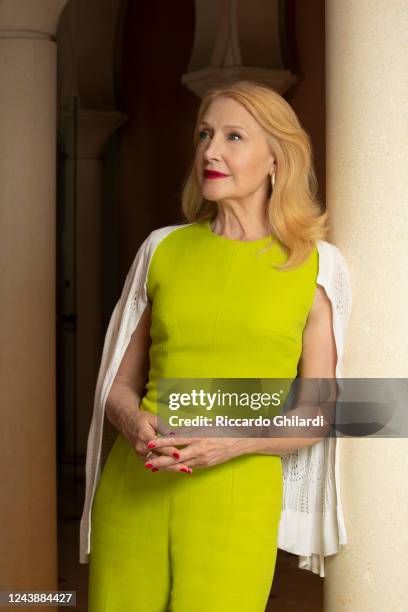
(214,193)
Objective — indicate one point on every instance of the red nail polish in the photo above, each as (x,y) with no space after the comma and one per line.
(155,469)
(176,455)
(151,445)
(183,470)
(148,465)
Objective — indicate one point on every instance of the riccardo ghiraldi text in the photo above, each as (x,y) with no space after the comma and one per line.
(259,421)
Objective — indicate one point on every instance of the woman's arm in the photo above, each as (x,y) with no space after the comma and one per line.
(128,387)
(318,360)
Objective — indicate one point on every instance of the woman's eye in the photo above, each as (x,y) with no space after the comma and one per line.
(230,134)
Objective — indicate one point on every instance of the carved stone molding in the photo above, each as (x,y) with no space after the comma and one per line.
(234,40)
(94,127)
(30,18)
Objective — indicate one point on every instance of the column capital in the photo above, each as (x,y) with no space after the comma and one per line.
(94,129)
(30,18)
(231,43)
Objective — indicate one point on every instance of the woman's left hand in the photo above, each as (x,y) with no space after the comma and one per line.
(197,452)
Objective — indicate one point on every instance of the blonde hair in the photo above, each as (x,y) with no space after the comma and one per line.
(295,215)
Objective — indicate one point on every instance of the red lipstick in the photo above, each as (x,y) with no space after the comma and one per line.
(213,174)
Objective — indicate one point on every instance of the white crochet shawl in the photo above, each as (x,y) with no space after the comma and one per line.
(312,523)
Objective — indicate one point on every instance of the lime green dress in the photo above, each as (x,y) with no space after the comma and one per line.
(207,541)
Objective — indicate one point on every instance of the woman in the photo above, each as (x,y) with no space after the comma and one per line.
(191,524)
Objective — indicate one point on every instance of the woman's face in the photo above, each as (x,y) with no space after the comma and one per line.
(232,142)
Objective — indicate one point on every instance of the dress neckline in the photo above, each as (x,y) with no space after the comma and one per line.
(258,241)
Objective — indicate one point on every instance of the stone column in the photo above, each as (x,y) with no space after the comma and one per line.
(28,77)
(85,153)
(367,195)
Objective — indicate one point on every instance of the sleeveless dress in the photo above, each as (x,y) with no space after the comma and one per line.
(207,541)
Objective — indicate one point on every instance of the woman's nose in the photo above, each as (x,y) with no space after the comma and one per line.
(212,150)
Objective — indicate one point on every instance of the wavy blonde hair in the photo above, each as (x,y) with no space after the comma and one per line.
(295,215)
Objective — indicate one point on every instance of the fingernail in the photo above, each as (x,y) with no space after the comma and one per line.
(155,469)
(151,445)
(148,465)
(176,455)
(183,470)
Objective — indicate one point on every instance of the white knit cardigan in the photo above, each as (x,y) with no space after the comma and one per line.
(312,523)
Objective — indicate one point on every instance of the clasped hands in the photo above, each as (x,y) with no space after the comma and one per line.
(159,446)
(195,452)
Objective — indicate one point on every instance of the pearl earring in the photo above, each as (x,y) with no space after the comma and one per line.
(273,179)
